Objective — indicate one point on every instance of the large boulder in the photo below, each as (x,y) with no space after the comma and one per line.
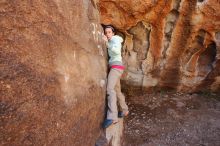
(52,72)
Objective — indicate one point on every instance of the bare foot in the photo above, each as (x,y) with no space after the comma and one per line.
(114,122)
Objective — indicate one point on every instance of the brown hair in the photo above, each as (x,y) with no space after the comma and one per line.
(109,26)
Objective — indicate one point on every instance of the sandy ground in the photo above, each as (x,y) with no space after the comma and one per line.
(173,119)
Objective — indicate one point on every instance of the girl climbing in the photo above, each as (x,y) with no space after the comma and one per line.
(113,43)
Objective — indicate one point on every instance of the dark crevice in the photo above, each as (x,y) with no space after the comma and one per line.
(206,59)
(200,1)
(205,62)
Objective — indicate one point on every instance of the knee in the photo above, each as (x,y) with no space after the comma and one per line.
(119,94)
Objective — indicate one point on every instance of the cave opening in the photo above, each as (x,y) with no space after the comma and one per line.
(206,59)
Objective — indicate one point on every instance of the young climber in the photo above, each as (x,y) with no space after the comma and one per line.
(113,43)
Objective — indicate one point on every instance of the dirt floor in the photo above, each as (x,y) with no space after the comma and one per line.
(173,119)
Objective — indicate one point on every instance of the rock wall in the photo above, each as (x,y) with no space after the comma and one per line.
(172,44)
(52,72)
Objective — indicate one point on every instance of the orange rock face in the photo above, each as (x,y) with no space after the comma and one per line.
(52,73)
(169,44)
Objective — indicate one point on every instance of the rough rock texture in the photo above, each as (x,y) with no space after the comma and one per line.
(172,44)
(52,72)
(112,136)
(114,133)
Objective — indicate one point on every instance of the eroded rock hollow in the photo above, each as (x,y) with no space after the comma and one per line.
(170,44)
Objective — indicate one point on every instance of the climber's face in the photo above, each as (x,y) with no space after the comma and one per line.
(109,33)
